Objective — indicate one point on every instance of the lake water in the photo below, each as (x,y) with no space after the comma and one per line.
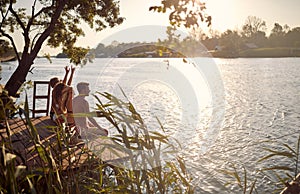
(223,111)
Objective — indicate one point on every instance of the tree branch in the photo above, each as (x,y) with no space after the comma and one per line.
(33,16)
(49,29)
(3,17)
(33,40)
(44,9)
(7,35)
(25,30)
(12,42)
(10,8)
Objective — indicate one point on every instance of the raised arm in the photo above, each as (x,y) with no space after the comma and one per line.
(71,76)
(66,74)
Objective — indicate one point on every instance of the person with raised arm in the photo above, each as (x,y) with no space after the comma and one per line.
(61,106)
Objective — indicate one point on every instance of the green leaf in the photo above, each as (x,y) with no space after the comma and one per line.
(19,170)
(245,180)
(252,186)
(32,189)
(182,165)
(292,150)
(41,153)
(277,153)
(9,157)
(279,168)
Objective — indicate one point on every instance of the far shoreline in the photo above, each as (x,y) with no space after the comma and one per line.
(276,52)
(281,52)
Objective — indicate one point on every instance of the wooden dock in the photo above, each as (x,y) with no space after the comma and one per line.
(28,148)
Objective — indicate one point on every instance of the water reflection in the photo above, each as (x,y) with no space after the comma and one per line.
(261,109)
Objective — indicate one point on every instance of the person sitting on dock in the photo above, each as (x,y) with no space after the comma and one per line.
(61,106)
(84,119)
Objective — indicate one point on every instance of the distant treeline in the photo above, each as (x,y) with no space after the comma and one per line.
(250,41)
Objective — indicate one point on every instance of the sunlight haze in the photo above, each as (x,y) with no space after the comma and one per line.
(226,14)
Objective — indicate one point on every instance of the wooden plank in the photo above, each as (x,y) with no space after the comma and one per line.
(107,150)
(40,111)
(41,97)
(41,82)
(74,157)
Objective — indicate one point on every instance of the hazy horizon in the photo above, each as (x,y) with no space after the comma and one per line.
(226,14)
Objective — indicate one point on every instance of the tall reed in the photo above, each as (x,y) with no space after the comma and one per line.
(147,171)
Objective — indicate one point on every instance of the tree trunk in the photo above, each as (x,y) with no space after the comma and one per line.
(19,76)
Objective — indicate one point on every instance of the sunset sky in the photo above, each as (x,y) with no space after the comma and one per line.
(226,14)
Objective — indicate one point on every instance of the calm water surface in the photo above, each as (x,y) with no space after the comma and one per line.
(222,116)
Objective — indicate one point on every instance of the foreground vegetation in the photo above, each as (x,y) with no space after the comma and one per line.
(283,177)
(144,172)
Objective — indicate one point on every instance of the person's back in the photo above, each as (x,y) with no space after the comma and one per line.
(62,107)
(62,94)
(62,103)
(80,107)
